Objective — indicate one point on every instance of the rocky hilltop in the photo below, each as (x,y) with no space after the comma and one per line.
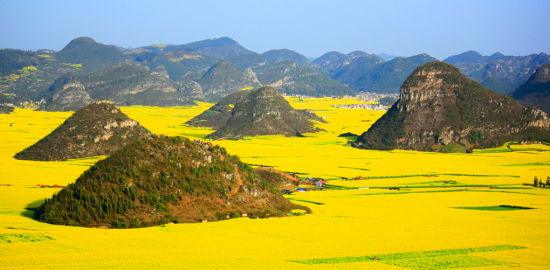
(263,111)
(99,128)
(157,180)
(216,116)
(125,84)
(536,91)
(89,54)
(440,109)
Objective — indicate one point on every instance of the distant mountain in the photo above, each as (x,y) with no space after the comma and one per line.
(263,111)
(90,54)
(220,48)
(370,73)
(180,63)
(442,110)
(223,79)
(497,71)
(125,84)
(12,60)
(332,62)
(536,91)
(386,57)
(294,79)
(25,75)
(228,49)
(157,180)
(273,56)
(99,128)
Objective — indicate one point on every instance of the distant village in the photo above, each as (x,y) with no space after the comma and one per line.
(378,102)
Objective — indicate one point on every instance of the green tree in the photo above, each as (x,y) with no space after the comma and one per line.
(548,182)
(536,182)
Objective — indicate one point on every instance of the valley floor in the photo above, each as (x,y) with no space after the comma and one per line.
(448,211)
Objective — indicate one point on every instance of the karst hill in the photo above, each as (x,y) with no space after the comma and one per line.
(156,180)
(99,128)
(263,111)
(442,110)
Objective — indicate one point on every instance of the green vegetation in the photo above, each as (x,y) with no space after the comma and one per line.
(495,208)
(24,237)
(306,201)
(435,259)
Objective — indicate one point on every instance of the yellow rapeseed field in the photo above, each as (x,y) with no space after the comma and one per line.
(441,213)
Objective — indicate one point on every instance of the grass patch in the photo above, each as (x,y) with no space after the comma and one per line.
(547,163)
(23,237)
(502,207)
(433,259)
(412,192)
(439,174)
(361,169)
(306,201)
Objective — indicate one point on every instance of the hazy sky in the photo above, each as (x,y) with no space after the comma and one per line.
(439,28)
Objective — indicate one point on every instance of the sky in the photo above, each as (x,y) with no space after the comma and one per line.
(404,28)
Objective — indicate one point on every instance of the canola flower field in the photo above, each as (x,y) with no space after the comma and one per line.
(444,211)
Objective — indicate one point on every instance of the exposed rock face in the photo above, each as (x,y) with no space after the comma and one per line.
(278,179)
(536,91)
(5,109)
(263,111)
(70,97)
(125,84)
(441,110)
(99,128)
(157,180)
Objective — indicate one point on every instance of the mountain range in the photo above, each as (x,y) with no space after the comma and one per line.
(208,70)
(498,72)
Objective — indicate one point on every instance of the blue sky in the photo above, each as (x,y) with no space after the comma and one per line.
(439,28)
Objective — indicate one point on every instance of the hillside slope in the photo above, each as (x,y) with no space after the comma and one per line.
(536,90)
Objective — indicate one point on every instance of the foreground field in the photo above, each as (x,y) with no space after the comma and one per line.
(447,213)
